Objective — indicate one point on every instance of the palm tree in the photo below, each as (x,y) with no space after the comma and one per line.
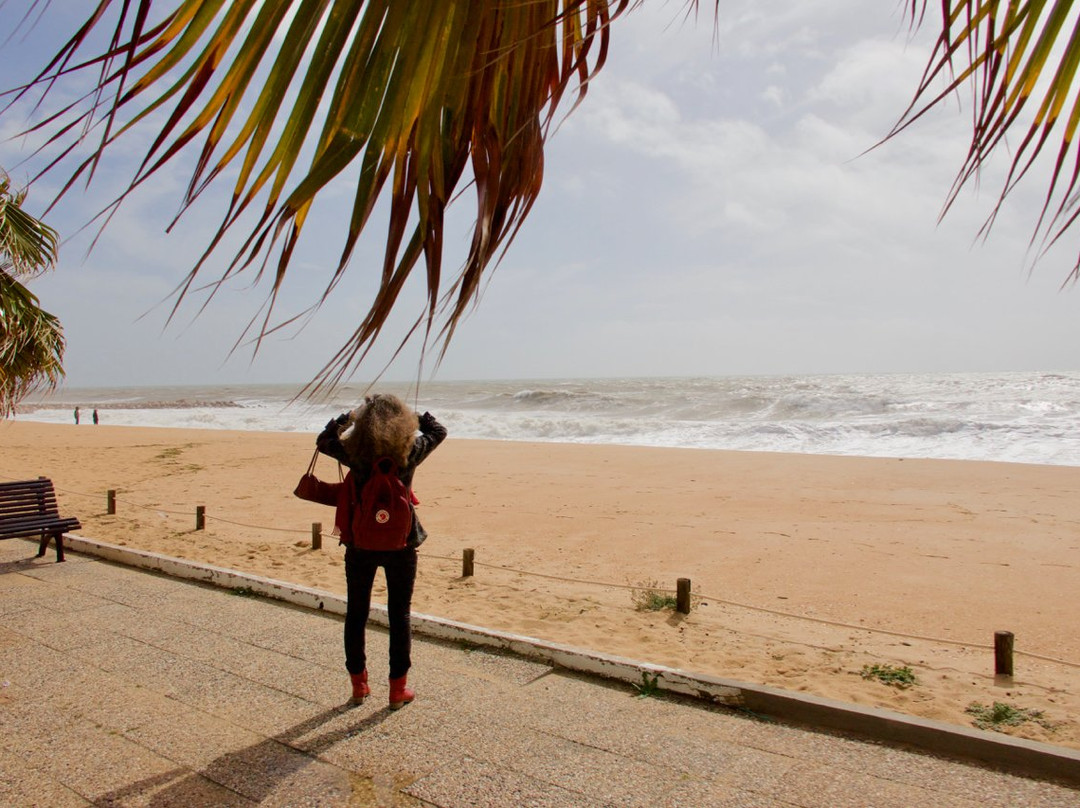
(428,96)
(31,339)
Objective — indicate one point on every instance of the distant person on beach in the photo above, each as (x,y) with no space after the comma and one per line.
(95,416)
(382,428)
(76,416)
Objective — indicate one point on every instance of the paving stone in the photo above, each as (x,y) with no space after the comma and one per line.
(263,666)
(94,763)
(62,630)
(191,738)
(24,786)
(182,790)
(601,775)
(28,728)
(483,785)
(696,794)
(824,787)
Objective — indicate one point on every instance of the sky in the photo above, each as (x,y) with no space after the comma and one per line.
(711,209)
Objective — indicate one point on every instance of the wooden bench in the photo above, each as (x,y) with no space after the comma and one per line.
(28,510)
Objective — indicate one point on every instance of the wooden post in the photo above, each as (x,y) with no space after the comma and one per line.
(200,517)
(1003,653)
(682,596)
(467,562)
(110,501)
(316,535)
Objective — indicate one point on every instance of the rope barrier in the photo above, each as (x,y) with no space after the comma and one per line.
(158,509)
(775,612)
(568,580)
(257,527)
(900,634)
(778,613)
(631,587)
(124,502)
(1055,660)
(153,508)
(439,557)
(839,624)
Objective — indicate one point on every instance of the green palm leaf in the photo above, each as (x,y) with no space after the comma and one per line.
(31,339)
(27,246)
(31,345)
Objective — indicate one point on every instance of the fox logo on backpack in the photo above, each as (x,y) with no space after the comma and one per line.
(384,518)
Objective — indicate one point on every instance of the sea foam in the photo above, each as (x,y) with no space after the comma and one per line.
(1016,417)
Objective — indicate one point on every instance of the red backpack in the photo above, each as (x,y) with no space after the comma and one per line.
(383,519)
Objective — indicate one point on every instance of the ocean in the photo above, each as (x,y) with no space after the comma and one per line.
(1023,417)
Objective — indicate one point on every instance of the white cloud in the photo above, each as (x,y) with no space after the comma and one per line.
(872,81)
(774,95)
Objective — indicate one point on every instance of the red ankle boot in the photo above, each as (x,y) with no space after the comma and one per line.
(400,695)
(360,689)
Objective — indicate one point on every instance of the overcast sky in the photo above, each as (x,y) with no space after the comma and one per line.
(708,210)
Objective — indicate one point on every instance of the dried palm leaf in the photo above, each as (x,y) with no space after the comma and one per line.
(1005,53)
(422,94)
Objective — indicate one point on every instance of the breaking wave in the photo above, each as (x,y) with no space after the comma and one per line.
(1017,417)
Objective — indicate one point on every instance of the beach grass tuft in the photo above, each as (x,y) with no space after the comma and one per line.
(1001,714)
(902,677)
(647,596)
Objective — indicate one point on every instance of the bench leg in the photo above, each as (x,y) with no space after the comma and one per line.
(43,545)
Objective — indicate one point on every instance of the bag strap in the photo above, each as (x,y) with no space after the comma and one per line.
(314,460)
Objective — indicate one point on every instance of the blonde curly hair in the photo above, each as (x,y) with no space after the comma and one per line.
(383,426)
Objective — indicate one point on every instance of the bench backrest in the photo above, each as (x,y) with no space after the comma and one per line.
(25,497)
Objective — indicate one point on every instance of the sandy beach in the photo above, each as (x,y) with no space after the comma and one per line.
(805,569)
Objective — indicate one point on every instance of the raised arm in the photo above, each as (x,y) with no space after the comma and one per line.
(328,442)
(432,433)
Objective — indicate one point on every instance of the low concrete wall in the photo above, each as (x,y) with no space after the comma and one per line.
(1015,755)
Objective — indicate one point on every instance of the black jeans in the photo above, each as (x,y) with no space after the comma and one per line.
(400,569)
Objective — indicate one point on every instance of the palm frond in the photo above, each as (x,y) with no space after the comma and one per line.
(27,245)
(31,344)
(1008,55)
(418,94)
(31,339)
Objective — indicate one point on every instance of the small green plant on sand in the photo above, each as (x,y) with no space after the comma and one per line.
(901,677)
(649,597)
(244,592)
(649,685)
(1000,714)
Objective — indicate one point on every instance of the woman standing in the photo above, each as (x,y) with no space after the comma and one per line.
(378,438)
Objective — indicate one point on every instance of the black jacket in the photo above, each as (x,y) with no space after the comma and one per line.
(432,433)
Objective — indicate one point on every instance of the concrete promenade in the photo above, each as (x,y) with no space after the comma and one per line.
(123,687)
